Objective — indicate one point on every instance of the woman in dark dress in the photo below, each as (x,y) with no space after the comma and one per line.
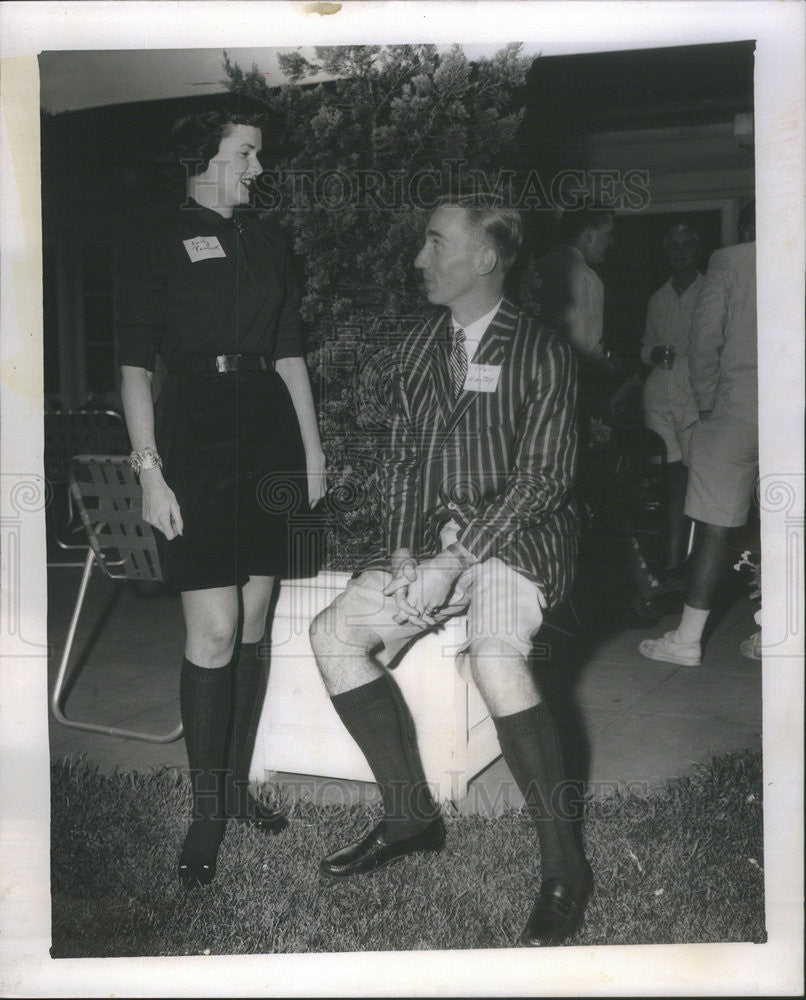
(226,455)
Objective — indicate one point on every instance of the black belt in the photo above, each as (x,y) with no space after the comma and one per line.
(208,364)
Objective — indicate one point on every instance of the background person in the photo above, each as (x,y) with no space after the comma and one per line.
(210,289)
(571,293)
(723,363)
(570,298)
(669,406)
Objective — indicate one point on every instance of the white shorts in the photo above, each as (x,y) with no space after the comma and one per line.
(723,470)
(670,414)
(498,601)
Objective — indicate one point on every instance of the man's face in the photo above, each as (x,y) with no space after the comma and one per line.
(450,257)
(596,242)
(682,249)
(233,169)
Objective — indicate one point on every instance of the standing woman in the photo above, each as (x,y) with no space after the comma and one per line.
(232,439)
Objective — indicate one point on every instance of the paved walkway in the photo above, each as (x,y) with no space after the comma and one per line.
(626,721)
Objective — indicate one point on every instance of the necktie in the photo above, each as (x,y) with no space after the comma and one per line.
(458,361)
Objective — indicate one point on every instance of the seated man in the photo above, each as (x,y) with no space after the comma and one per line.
(479,520)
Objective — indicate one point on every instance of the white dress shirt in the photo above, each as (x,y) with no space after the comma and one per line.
(475,331)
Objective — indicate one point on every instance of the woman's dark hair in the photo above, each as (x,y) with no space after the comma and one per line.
(195,138)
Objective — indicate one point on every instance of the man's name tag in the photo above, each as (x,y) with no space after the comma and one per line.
(482,378)
(203,247)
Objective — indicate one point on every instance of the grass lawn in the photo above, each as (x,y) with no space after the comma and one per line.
(681,865)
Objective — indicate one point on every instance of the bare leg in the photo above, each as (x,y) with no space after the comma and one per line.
(256,595)
(342,652)
(211,623)
(707,564)
(706,567)
(503,677)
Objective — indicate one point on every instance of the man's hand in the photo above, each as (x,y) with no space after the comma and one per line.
(424,600)
(404,573)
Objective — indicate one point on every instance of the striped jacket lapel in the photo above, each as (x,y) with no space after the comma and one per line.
(493,350)
(430,388)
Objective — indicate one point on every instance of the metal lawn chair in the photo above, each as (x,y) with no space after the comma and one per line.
(108,499)
(97,432)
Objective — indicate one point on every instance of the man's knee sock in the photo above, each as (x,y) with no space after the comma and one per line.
(379,721)
(531,749)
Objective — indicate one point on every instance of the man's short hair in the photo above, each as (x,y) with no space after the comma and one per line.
(195,139)
(494,220)
(574,224)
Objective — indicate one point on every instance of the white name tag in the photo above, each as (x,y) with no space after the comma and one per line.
(482,378)
(203,247)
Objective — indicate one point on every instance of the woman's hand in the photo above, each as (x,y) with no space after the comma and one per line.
(160,507)
(317,476)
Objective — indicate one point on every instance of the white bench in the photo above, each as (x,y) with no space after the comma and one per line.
(301,733)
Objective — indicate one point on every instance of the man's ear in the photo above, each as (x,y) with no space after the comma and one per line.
(486,261)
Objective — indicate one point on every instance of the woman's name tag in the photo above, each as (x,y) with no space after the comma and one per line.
(482,378)
(203,247)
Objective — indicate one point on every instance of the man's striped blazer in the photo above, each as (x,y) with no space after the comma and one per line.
(500,463)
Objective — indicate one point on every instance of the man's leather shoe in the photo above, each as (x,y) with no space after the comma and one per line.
(374,851)
(556,914)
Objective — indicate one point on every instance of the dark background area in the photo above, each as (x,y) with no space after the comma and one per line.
(636,268)
(671,111)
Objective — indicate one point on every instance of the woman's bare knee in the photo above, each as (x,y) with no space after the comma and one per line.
(212,644)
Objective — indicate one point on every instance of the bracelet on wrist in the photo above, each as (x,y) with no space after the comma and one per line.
(145,459)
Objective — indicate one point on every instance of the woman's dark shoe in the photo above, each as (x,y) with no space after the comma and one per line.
(243,807)
(557,912)
(197,862)
(262,818)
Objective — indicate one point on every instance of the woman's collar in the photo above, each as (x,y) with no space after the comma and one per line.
(205,214)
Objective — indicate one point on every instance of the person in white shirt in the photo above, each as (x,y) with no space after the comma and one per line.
(669,406)
(723,360)
(571,293)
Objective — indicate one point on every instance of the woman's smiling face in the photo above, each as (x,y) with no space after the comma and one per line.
(232,171)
